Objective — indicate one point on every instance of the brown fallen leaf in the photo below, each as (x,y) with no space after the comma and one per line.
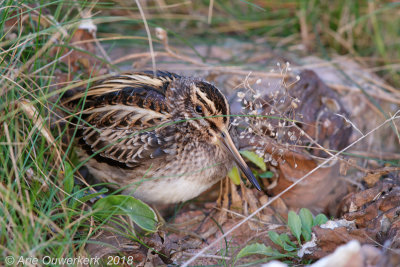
(376,210)
(329,239)
(83,49)
(373,177)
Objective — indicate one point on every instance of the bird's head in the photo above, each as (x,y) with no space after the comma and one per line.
(205,111)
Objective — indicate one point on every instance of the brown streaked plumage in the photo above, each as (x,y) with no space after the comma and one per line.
(148,134)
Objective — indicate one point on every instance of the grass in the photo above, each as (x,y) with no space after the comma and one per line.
(39,212)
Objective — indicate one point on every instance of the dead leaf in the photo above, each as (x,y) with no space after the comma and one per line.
(376,210)
(329,239)
(372,178)
(83,39)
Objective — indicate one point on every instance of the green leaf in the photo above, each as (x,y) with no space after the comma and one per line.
(306,218)
(320,219)
(294,224)
(93,195)
(288,247)
(287,244)
(257,248)
(267,174)
(275,238)
(305,234)
(285,238)
(140,213)
(234,175)
(68,178)
(253,157)
(82,195)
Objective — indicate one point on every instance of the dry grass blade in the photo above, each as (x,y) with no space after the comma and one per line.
(153,59)
(210,11)
(13,159)
(31,112)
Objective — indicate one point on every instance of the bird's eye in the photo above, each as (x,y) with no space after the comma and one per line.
(199,109)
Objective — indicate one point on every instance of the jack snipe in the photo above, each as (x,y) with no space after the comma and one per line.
(164,138)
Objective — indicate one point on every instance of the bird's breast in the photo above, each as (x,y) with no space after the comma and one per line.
(168,191)
(183,178)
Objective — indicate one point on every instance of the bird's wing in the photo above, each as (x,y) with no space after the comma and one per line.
(119,119)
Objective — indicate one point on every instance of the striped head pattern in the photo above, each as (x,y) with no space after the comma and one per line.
(201,105)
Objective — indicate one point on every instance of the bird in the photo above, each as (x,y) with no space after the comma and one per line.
(158,136)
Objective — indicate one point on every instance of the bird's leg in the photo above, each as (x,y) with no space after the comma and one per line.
(229,199)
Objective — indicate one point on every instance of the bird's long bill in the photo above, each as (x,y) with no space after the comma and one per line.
(227,142)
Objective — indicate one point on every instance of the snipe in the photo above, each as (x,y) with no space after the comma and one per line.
(164,138)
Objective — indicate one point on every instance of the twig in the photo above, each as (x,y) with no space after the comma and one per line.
(350,122)
(208,256)
(242,216)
